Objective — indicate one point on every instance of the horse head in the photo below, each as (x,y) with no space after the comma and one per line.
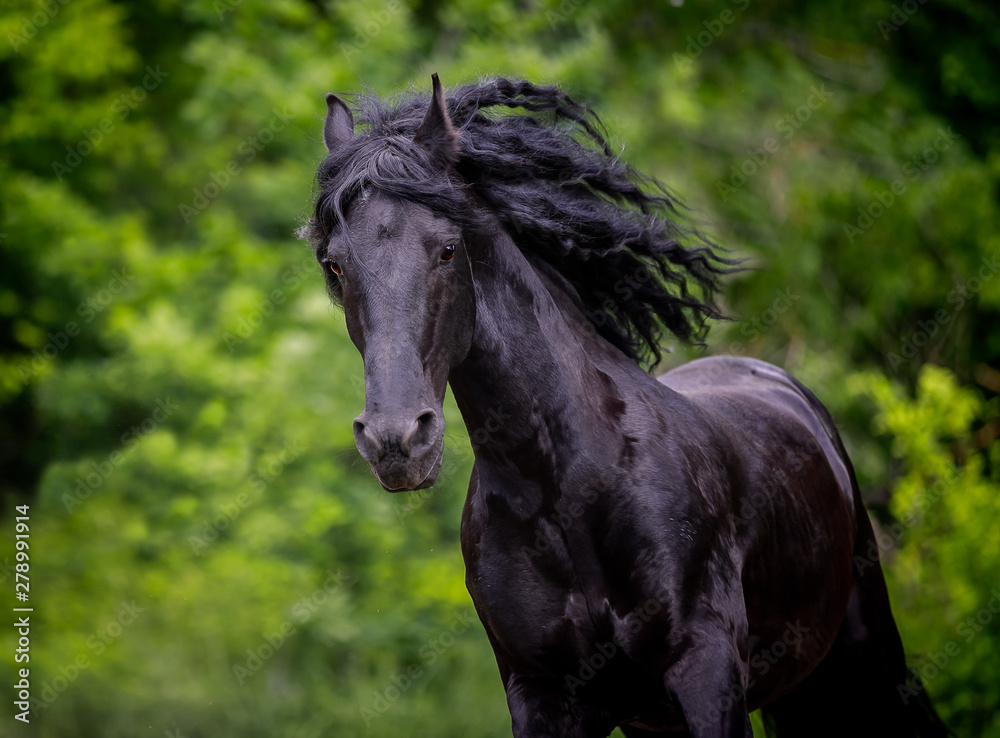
(402,273)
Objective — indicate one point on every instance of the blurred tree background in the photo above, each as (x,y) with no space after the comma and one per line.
(209,557)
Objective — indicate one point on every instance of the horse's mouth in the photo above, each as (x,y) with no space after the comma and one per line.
(430,477)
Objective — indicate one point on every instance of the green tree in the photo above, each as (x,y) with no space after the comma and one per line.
(209,555)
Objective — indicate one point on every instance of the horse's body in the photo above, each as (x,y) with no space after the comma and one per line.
(702,518)
(653,554)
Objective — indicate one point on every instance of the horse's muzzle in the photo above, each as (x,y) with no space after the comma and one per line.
(404,450)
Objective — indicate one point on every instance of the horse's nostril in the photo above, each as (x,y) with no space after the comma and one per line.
(419,435)
(368,443)
(426,419)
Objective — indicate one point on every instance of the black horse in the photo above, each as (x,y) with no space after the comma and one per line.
(656,554)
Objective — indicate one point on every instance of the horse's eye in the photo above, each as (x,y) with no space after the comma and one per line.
(333,266)
(448,253)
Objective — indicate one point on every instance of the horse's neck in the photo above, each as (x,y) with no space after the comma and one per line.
(539,389)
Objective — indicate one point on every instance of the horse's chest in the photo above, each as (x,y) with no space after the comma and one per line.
(526,582)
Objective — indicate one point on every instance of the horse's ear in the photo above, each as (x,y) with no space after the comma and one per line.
(436,133)
(339,125)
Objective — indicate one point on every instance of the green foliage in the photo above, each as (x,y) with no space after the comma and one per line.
(210,557)
(943,551)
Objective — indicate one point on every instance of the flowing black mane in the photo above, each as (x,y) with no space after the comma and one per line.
(570,205)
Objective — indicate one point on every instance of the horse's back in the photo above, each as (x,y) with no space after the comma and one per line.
(739,389)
